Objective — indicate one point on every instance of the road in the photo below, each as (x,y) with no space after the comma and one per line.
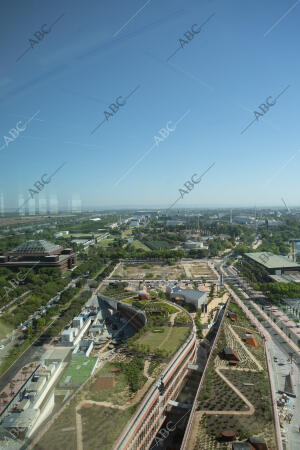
(280,348)
(33,353)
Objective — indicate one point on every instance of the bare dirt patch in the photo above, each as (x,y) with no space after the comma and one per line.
(103,383)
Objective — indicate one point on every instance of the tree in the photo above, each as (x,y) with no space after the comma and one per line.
(11,386)
(3,397)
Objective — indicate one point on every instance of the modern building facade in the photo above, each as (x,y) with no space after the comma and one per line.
(191,296)
(39,253)
(273,264)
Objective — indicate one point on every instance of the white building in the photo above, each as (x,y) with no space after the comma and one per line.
(191,296)
(193,244)
(61,233)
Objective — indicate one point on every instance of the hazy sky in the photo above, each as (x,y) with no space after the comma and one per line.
(99,52)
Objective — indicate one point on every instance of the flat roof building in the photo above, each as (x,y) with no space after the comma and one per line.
(273,264)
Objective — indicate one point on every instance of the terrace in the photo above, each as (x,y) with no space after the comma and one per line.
(234,398)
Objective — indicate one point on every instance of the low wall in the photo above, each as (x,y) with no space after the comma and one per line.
(136,317)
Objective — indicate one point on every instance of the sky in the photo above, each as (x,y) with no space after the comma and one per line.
(124,101)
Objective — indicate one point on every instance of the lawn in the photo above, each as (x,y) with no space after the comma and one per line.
(4,329)
(79,370)
(118,395)
(62,434)
(104,242)
(102,426)
(139,245)
(170,339)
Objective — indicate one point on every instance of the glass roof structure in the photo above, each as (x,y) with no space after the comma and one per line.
(36,246)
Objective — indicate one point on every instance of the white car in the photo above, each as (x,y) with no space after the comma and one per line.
(1,347)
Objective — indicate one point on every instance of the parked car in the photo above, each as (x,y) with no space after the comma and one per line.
(1,347)
(275,359)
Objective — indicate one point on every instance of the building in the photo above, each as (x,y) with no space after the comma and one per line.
(277,266)
(22,422)
(39,253)
(250,340)
(68,336)
(194,245)
(191,296)
(241,446)
(61,233)
(36,402)
(230,355)
(232,316)
(244,220)
(143,295)
(174,223)
(258,443)
(73,335)
(84,348)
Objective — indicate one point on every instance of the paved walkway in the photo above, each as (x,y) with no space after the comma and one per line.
(187,270)
(276,327)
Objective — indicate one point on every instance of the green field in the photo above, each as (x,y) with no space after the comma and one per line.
(139,245)
(126,234)
(79,370)
(118,395)
(104,242)
(160,245)
(170,339)
(102,426)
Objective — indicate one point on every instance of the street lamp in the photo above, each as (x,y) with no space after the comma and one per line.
(279,320)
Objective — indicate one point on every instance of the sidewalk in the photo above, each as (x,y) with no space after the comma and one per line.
(276,327)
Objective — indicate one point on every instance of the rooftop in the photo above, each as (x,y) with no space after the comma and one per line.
(272,261)
(228,351)
(36,246)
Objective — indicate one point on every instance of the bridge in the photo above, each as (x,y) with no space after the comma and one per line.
(180,404)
